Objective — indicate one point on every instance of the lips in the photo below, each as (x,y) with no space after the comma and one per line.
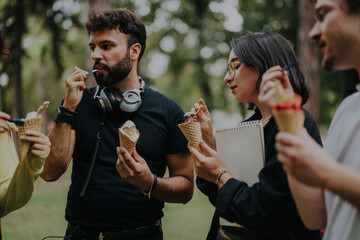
(232,88)
(321,45)
(98,66)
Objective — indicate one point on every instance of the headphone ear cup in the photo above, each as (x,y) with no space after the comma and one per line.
(131,101)
(108,99)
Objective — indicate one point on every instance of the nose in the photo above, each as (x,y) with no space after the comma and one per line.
(96,55)
(227,78)
(315,33)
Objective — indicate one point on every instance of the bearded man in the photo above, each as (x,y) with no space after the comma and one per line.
(114,194)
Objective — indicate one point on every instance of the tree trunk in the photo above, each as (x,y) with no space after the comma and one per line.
(16,78)
(200,9)
(95,6)
(308,57)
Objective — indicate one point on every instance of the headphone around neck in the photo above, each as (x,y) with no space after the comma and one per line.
(130,102)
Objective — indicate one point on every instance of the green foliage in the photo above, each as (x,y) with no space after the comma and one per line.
(186,53)
(189,28)
(281,16)
(278,15)
(335,86)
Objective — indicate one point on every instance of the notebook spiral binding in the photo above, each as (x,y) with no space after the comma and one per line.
(240,125)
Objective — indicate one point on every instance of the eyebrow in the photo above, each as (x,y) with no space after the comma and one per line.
(321,8)
(102,42)
(235,59)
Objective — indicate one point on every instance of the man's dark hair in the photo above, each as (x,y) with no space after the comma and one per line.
(123,20)
(353,5)
(263,50)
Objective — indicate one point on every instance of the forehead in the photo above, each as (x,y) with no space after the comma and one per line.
(232,55)
(113,35)
(320,3)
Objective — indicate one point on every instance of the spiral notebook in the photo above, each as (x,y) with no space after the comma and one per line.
(242,150)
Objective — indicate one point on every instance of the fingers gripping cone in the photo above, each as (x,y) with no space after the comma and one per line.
(128,136)
(287,112)
(30,125)
(33,122)
(192,132)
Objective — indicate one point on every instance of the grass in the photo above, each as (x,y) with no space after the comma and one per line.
(44,215)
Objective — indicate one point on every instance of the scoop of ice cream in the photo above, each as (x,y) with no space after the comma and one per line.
(190,117)
(129,129)
(31,115)
(39,113)
(289,102)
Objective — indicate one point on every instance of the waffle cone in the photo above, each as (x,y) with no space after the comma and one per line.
(30,125)
(127,142)
(192,132)
(290,121)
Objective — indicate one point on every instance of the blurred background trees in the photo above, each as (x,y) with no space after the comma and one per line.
(186,55)
(186,59)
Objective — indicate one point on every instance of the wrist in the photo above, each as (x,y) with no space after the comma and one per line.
(66,116)
(67,111)
(66,105)
(147,185)
(222,177)
(334,171)
(152,187)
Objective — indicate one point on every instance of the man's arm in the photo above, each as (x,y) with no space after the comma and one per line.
(62,140)
(308,163)
(334,177)
(178,188)
(310,202)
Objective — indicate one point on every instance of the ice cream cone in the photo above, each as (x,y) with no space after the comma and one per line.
(129,136)
(192,132)
(291,121)
(32,124)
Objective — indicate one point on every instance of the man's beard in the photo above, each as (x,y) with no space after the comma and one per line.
(116,73)
(328,64)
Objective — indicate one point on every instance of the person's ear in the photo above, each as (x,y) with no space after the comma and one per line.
(135,50)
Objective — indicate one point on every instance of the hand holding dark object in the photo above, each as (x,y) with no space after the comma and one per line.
(5,125)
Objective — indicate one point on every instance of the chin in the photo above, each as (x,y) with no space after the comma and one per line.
(328,64)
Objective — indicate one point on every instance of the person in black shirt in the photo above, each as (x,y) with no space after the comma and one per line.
(266,210)
(113,194)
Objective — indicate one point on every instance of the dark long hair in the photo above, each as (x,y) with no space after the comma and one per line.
(263,50)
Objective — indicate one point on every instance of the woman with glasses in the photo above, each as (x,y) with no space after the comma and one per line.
(266,210)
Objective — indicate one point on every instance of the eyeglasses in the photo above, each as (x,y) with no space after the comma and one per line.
(232,66)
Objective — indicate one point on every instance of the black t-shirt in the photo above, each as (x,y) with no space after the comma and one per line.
(110,202)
